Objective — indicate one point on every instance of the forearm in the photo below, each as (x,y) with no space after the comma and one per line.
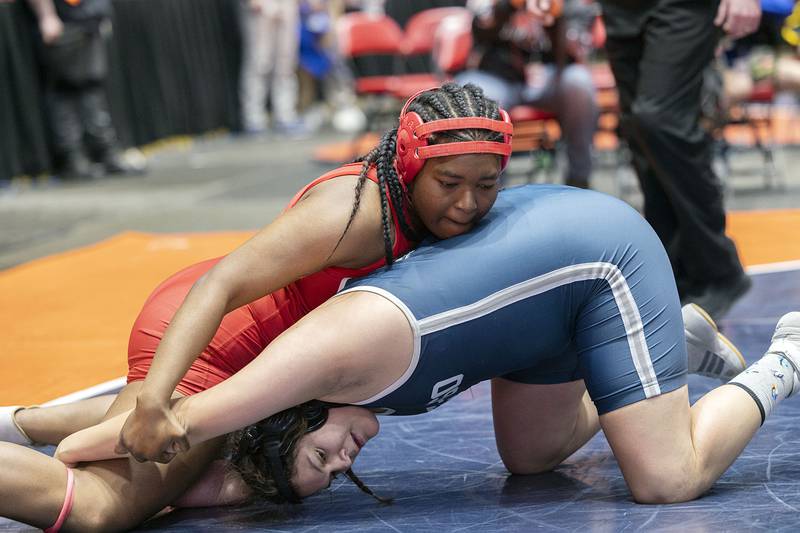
(92,444)
(189,333)
(43,8)
(307,361)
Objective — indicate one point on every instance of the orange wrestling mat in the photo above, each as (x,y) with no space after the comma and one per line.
(65,319)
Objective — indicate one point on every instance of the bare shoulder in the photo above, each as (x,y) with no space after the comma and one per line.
(339,191)
(362,243)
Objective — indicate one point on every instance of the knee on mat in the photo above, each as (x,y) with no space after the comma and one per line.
(524,466)
(662,489)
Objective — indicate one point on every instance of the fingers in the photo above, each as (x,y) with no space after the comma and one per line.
(180,444)
(738,17)
(722,13)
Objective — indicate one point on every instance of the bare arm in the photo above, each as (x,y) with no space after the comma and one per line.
(346,350)
(301,241)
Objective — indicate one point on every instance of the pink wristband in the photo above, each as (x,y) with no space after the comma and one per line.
(67,507)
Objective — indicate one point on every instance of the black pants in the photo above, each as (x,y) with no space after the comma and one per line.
(658,50)
(76,66)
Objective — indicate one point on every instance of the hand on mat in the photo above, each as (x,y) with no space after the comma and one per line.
(95,443)
(153,432)
(738,17)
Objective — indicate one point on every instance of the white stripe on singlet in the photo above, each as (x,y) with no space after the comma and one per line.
(629,312)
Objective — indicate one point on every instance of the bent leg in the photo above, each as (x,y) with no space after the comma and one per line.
(109,495)
(532,441)
(49,425)
(669,452)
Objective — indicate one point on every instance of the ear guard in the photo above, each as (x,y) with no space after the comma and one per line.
(268,435)
(413,133)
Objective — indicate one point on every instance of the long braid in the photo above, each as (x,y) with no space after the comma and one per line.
(385,215)
(457,96)
(476,98)
(361,485)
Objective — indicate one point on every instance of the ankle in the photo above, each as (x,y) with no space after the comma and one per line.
(21,419)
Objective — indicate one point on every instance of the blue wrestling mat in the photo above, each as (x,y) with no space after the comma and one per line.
(444,473)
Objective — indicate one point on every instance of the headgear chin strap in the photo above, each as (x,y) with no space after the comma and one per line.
(413,133)
(269,436)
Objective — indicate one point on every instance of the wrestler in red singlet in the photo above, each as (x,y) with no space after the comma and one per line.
(246,331)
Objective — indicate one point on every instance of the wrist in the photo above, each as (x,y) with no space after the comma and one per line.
(149,401)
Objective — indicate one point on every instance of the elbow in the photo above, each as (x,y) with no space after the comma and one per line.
(214,289)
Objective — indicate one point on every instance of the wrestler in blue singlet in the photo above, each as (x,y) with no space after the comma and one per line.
(556,284)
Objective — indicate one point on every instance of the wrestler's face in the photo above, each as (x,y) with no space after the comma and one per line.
(451,194)
(331,449)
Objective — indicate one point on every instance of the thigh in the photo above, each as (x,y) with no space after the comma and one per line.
(629,331)
(536,440)
(506,93)
(652,439)
(624,55)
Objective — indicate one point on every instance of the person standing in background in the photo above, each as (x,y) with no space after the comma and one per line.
(658,50)
(75,59)
(270,46)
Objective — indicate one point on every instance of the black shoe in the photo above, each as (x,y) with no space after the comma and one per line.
(718,297)
(76,167)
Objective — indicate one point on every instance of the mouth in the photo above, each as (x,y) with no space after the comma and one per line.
(359,441)
(459,223)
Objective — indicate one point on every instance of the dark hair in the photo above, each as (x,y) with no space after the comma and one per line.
(247,453)
(448,101)
(247,458)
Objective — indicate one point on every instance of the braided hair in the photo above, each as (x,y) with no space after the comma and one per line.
(448,101)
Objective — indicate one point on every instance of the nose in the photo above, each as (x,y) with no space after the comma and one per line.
(466,201)
(344,461)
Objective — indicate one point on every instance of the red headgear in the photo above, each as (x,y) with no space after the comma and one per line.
(412,139)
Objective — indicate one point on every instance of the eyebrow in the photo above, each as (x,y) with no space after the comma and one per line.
(456,175)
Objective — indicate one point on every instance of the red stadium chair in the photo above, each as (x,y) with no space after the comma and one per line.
(370,44)
(419,70)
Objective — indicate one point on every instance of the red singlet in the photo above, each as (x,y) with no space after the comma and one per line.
(246,331)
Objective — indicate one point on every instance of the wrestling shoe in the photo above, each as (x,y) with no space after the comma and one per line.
(9,430)
(710,353)
(786,342)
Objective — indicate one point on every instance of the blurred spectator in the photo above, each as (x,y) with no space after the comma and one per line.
(75,59)
(325,79)
(658,50)
(764,56)
(507,40)
(270,45)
